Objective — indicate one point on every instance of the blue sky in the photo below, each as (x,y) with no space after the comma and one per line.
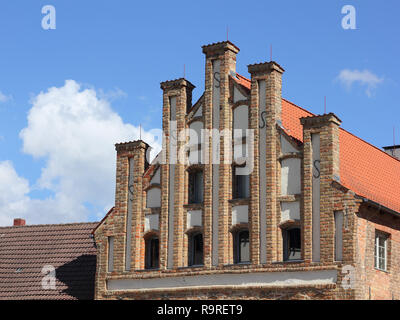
(117,52)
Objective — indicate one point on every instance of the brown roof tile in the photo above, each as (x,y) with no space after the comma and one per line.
(25,250)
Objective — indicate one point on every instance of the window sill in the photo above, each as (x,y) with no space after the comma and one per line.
(237,264)
(239,201)
(288,261)
(193,206)
(385,271)
(147,270)
(197,266)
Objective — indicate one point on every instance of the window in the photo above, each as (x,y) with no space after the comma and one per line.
(195,249)
(241,185)
(381,241)
(110,254)
(152,253)
(291,244)
(196,186)
(241,246)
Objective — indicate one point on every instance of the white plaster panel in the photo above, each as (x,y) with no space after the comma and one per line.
(290,211)
(215,155)
(264,279)
(194,218)
(153,198)
(156,177)
(237,95)
(262,169)
(339,235)
(129,214)
(240,214)
(240,152)
(151,222)
(286,146)
(195,132)
(241,118)
(291,176)
(199,111)
(171,200)
(316,228)
(194,156)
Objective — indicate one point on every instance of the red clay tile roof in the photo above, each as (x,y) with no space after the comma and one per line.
(243,81)
(365,169)
(24,250)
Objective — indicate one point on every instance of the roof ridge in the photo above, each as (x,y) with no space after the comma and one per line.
(50,224)
(313,114)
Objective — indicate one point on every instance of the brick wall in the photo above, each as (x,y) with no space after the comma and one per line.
(371,282)
(359,220)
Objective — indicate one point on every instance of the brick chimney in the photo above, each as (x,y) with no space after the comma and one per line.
(394,151)
(19,222)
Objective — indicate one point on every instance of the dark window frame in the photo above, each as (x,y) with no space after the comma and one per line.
(152,253)
(195,257)
(292,243)
(237,253)
(195,187)
(240,192)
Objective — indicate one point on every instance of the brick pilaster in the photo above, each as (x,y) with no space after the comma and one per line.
(226,53)
(327,126)
(182,90)
(271,72)
(125,151)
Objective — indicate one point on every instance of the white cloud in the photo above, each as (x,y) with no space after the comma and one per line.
(13,190)
(4,98)
(365,78)
(74,131)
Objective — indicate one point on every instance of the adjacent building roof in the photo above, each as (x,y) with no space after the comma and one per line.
(365,169)
(27,251)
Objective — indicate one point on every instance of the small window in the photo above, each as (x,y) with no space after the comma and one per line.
(110,254)
(291,244)
(241,185)
(241,245)
(152,253)
(195,249)
(381,241)
(196,186)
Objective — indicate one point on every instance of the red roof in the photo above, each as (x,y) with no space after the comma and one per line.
(365,169)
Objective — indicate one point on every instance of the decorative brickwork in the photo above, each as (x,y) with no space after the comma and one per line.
(353,277)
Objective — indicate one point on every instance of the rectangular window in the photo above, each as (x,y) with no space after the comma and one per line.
(241,185)
(381,241)
(195,249)
(292,244)
(338,236)
(110,254)
(196,187)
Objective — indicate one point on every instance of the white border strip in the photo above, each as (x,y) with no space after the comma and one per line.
(265,279)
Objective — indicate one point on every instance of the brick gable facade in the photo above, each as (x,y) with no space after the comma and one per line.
(297,181)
